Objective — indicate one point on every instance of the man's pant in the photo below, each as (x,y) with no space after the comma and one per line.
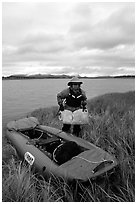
(76,129)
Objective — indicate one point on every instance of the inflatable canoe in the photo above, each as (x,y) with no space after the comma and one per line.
(53,152)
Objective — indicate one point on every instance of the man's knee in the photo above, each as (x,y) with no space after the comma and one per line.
(76,130)
(66,127)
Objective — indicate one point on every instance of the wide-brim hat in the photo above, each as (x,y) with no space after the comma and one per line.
(75,80)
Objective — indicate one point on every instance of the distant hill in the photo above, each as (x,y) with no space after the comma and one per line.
(36,76)
(63,76)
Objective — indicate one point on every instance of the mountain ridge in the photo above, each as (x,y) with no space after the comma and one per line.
(63,76)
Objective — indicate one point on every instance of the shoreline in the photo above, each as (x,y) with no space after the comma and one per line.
(23,77)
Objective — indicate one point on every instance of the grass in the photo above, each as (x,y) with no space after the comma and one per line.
(111,127)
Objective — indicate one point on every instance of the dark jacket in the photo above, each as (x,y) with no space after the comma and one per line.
(71,100)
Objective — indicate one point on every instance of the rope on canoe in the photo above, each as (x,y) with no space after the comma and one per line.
(94,162)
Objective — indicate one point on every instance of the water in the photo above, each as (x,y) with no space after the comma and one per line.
(22,96)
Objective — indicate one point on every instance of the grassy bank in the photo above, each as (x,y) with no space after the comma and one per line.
(111,127)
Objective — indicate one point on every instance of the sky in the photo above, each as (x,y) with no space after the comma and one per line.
(80,38)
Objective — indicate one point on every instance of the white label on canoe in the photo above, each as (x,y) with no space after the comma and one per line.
(29,158)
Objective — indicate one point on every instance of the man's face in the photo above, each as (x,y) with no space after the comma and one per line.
(75,86)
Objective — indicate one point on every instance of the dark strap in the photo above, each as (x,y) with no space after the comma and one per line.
(102,165)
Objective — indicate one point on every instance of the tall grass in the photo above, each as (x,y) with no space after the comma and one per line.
(21,185)
(111,127)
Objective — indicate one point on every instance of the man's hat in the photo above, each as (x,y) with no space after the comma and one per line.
(75,80)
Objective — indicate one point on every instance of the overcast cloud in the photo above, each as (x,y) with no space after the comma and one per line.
(90,39)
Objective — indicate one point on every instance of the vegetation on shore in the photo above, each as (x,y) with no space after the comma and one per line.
(111,127)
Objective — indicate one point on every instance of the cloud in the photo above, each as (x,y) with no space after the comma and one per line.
(35,46)
(42,42)
(87,38)
(110,32)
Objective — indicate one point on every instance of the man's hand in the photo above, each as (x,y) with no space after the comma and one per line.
(61,108)
(84,108)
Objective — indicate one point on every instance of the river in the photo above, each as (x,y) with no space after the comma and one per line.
(22,96)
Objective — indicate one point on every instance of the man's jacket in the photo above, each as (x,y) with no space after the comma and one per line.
(72,100)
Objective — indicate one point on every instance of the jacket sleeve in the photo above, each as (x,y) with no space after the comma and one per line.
(62,95)
(84,97)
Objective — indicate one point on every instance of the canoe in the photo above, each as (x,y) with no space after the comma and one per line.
(53,152)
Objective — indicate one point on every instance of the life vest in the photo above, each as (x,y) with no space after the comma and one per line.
(74,100)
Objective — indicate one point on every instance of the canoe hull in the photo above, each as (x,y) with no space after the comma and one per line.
(88,164)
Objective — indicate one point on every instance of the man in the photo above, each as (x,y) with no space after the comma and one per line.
(72,98)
